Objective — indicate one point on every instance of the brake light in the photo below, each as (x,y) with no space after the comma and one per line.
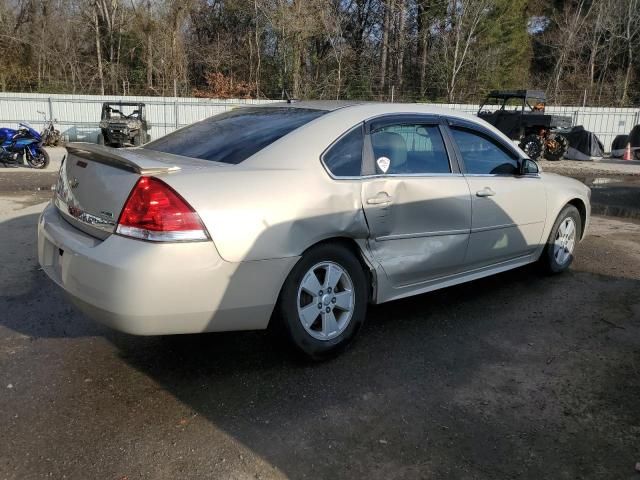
(154,211)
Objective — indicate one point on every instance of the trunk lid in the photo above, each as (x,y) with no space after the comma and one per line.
(95,182)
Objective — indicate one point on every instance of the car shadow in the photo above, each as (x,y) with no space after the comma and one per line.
(437,384)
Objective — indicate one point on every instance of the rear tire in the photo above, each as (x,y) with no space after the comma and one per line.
(532,145)
(323,302)
(555,147)
(100,139)
(637,154)
(558,254)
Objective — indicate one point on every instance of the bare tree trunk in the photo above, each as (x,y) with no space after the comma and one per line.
(117,67)
(98,50)
(631,31)
(627,75)
(149,47)
(295,66)
(400,44)
(423,47)
(296,50)
(41,59)
(149,66)
(388,6)
(595,47)
(257,40)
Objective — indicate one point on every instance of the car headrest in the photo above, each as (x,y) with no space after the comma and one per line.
(392,146)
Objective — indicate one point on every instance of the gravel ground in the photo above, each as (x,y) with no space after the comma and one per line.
(515,376)
(601,168)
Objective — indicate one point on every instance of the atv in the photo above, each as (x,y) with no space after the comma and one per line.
(521,116)
(123,124)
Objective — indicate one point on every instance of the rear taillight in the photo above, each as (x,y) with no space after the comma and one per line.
(155,212)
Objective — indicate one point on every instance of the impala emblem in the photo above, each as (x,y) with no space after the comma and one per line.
(74,183)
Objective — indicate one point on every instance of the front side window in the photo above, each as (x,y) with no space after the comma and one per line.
(482,155)
(344,158)
(234,136)
(409,148)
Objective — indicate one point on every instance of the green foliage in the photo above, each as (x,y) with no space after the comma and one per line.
(509,44)
(322,49)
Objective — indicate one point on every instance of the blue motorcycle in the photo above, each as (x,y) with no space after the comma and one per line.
(23,144)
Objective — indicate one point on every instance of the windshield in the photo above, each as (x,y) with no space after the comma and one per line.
(118,111)
(234,136)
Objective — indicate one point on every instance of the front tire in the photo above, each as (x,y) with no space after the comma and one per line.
(323,302)
(556,147)
(40,161)
(533,146)
(566,232)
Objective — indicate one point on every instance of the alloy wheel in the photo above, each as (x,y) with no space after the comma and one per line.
(325,300)
(565,241)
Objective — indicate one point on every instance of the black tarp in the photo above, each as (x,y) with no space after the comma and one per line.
(634,137)
(583,144)
(619,145)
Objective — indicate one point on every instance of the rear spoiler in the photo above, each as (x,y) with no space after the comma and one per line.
(136,160)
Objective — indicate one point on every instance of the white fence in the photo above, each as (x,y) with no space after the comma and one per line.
(78,115)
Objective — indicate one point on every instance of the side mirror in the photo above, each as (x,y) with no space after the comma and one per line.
(529,167)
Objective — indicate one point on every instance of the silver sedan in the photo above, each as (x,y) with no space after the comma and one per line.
(298,216)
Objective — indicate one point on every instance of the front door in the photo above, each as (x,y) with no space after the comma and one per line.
(509,209)
(417,203)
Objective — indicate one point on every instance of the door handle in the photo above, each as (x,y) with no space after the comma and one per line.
(379,199)
(485,192)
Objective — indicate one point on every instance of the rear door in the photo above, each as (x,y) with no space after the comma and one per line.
(416,201)
(509,209)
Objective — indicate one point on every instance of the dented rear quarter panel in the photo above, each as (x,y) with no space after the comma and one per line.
(265,214)
(280,201)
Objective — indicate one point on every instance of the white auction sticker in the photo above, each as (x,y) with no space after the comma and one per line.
(383,164)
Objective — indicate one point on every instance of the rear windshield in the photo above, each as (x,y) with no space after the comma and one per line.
(234,136)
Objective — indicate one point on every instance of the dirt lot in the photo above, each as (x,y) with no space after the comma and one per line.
(516,376)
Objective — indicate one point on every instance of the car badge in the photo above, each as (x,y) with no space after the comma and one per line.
(383,164)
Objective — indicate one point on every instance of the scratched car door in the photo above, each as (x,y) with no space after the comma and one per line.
(417,204)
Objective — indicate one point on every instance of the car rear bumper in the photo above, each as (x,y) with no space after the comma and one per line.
(146,288)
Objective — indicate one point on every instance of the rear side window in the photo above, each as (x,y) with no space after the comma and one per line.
(344,158)
(482,155)
(410,149)
(234,136)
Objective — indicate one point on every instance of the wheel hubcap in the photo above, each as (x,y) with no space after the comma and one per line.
(565,241)
(325,300)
